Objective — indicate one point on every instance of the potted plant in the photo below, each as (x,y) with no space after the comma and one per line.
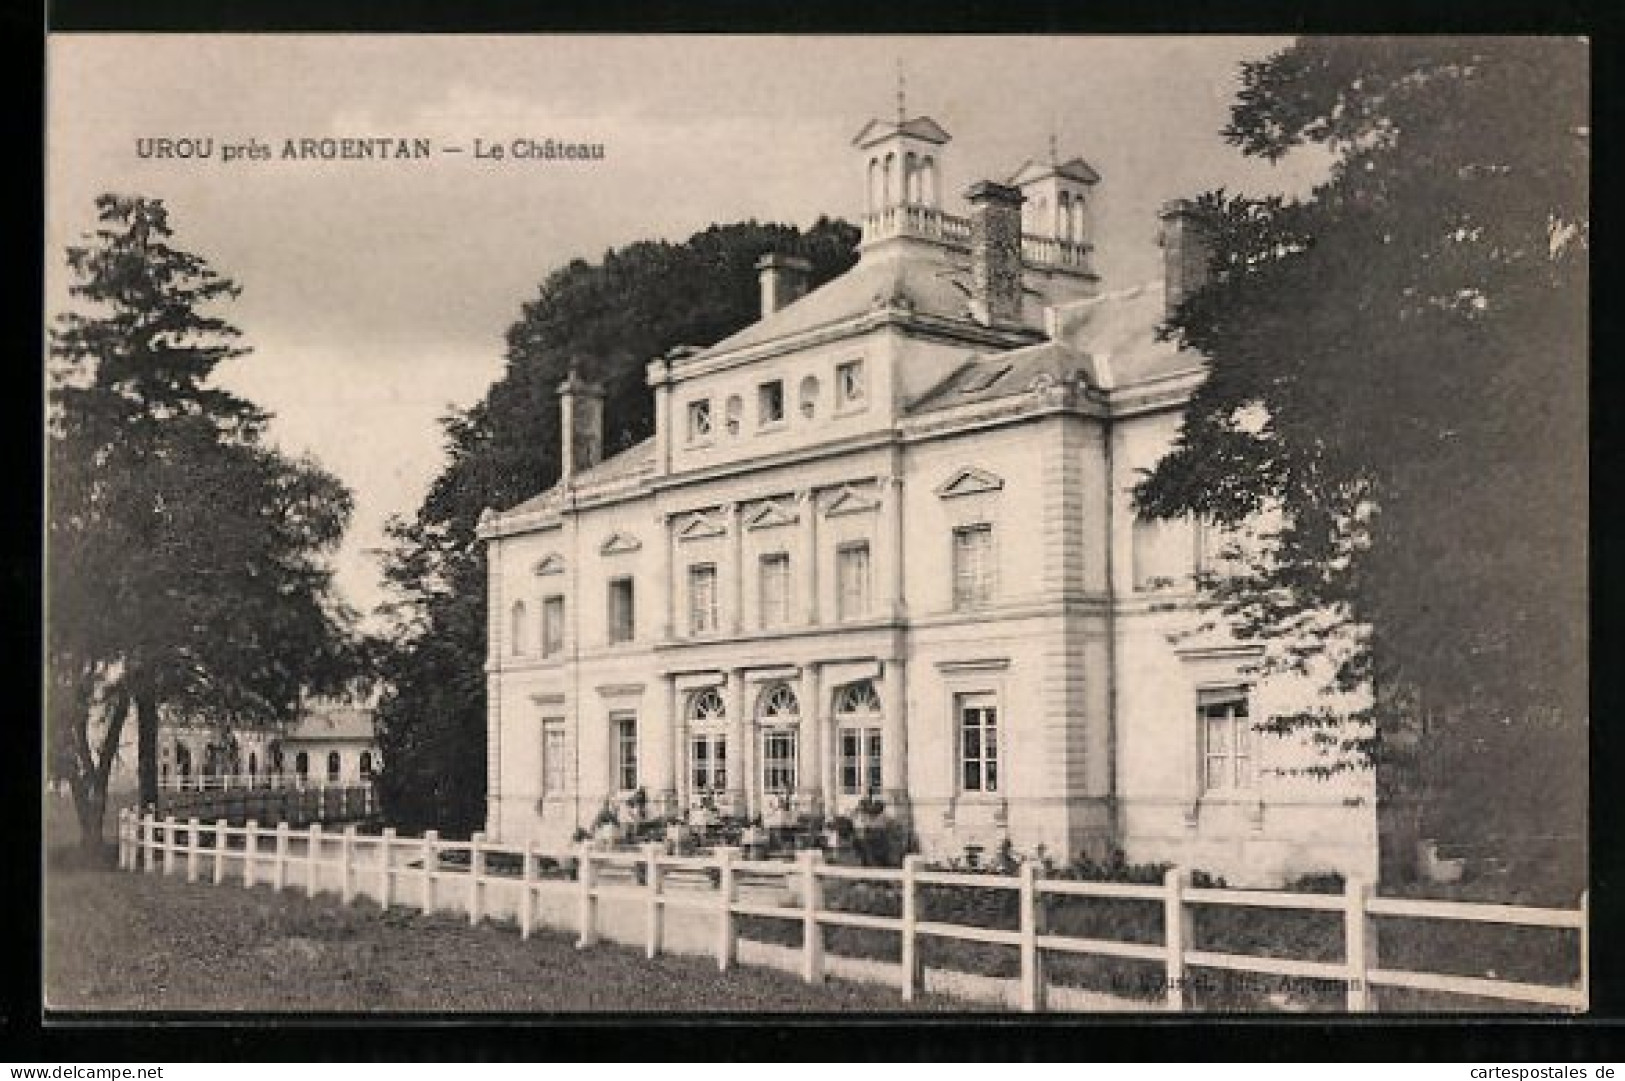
(704,814)
(754,840)
(869,811)
(678,836)
(637,804)
(781,810)
(606,828)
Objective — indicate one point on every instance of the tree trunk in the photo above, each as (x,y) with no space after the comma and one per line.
(146,723)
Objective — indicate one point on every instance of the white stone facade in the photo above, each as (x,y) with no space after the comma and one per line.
(885,535)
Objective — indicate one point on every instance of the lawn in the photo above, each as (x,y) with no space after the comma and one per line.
(145,942)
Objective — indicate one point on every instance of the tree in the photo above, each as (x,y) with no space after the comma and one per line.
(608,320)
(185,568)
(1398,369)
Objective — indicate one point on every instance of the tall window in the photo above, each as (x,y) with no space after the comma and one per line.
(626,751)
(620,610)
(332,765)
(775,589)
(301,765)
(770,402)
(852,580)
(779,714)
(699,420)
(1227,737)
(857,712)
(552,625)
(973,566)
(702,598)
(849,383)
(366,765)
(708,744)
(978,742)
(554,767)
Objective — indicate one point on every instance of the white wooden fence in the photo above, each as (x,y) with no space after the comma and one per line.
(632,897)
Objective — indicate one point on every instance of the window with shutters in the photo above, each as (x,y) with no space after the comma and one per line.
(555,769)
(552,625)
(1227,739)
(973,566)
(702,598)
(774,589)
(852,580)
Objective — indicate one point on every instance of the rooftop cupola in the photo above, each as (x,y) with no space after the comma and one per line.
(1058,217)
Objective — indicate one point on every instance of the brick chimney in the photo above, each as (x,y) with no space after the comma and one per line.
(784,280)
(1186,251)
(581,425)
(995,253)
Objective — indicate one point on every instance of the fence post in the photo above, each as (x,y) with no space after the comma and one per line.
(169,845)
(652,851)
(911,918)
(149,837)
(279,868)
(347,865)
(586,906)
(527,889)
(476,871)
(725,907)
(313,859)
(251,849)
(222,841)
(1032,964)
(431,858)
(1357,952)
(386,881)
(192,840)
(812,936)
(1176,930)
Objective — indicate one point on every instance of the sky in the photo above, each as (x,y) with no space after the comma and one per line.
(376,293)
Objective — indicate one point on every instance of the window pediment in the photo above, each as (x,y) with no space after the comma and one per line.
(618,543)
(552,563)
(770,514)
(969,481)
(851,501)
(699,526)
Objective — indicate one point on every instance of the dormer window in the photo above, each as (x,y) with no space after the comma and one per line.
(849,383)
(770,403)
(699,420)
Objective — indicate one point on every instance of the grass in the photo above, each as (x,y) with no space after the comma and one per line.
(145,942)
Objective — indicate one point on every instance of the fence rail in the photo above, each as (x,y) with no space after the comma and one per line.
(650,884)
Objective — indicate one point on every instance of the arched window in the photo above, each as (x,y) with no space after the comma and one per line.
(928,181)
(858,700)
(874,191)
(706,706)
(332,765)
(253,764)
(366,765)
(887,181)
(911,178)
(809,397)
(778,705)
(516,628)
(707,743)
(301,764)
(859,761)
(1063,215)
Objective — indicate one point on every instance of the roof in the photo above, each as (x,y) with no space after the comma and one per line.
(921,127)
(1120,331)
(931,281)
(323,719)
(1073,169)
(628,463)
(1002,375)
